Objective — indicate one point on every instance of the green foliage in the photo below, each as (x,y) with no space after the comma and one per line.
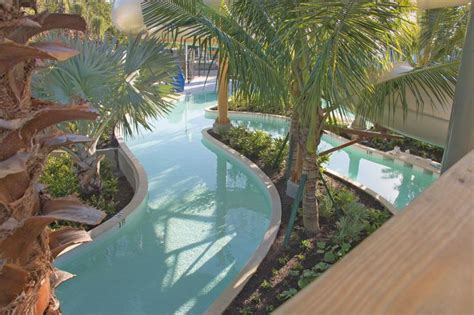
(326,207)
(306,244)
(294,273)
(258,146)
(76,8)
(247,310)
(127,83)
(269,308)
(287,294)
(265,284)
(419,148)
(96,26)
(283,260)
(59,176)
(256,104)
(307,277)
(352,224)
(329,257)
(61,181)
(375,219)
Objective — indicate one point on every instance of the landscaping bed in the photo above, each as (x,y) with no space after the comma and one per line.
(415,147)
(61,181)
(286,270)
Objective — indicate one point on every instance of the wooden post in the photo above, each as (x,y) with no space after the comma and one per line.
(461,132)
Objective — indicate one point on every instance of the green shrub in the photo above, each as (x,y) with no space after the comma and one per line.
(61,181)
(258,146)
(59,176)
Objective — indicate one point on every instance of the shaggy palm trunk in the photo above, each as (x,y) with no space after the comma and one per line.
(87,167)
(27,136)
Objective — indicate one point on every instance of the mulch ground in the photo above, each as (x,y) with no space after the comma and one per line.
(280,260)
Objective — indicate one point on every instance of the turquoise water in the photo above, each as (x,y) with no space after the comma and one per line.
(205,216)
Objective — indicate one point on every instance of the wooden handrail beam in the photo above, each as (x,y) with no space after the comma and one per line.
(420,262)
(339,147)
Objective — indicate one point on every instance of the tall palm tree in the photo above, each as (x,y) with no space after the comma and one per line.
(238,50)
(311,50)
(27,135)
(128,85)
(323,56)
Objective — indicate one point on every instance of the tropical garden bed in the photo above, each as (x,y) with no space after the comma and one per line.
(60,178)
(287,269)
(415,147)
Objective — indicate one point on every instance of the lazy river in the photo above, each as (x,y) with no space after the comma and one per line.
(205,216)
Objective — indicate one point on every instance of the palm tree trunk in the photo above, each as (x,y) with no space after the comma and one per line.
(296,166)
(310,203)
(27,246)
(222,122)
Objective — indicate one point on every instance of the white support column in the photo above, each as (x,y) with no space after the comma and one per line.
(461,126)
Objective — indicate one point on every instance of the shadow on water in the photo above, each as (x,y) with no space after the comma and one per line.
(199,230)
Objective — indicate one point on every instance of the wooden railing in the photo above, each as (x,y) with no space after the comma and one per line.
(420,262)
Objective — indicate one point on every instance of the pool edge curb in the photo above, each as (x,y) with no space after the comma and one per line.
(236,286)
(385,155)
(384,202)
(140,189)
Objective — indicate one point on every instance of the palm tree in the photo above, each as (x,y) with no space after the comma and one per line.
(27,246)
(313,50)
(127,84)
(241,54)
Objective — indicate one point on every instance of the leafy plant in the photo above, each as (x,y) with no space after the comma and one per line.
(61,180)
(307,277)
(306,244)
(265,284)
(329,257)
(247,310)
(258,146)
(294,273)
(269,308)
(287,294)
(283,260)
(126,83)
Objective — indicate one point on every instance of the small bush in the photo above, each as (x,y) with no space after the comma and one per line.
(59,176)
(61,181)
(258,146)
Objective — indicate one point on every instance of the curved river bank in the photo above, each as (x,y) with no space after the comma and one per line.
(205,217)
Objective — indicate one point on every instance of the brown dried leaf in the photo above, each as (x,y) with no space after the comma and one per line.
(48,22)
(16,245)
(71,209)
(20,139)
(62,140)
(13,186)
(13,280)
(63,238)
(12,53)
(12,124)
(59,276)
(14,165)
(55,50)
